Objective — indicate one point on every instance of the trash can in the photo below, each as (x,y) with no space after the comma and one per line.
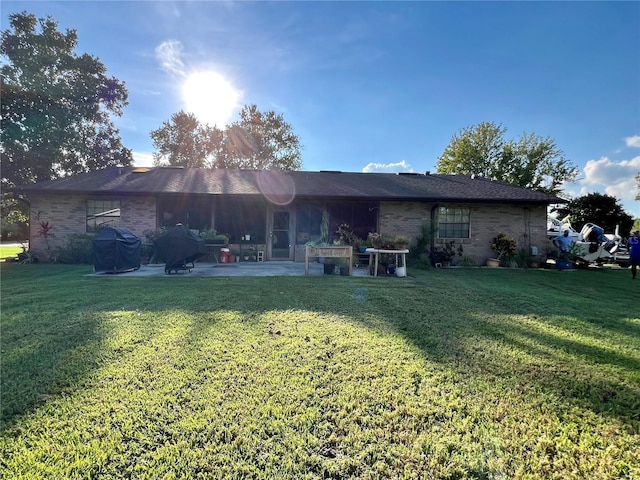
(224,255)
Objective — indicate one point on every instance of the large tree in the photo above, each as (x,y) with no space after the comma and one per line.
(259,140)
(184,141)
(530,161)
(600,209)
(56,105)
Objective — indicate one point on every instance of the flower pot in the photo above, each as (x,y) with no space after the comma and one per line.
(564,265)
(493,262)
(401,271)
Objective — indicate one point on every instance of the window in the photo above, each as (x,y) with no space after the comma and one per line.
(453,222)
(308,220)
(102,213)
(238,217)
(361,218)
(194,212)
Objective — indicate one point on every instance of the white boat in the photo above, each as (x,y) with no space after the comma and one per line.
(591,244)
(557,227)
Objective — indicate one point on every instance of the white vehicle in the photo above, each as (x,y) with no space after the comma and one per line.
(557,227)
(621,256)
(590,244)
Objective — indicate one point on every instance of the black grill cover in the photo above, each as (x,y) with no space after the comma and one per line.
(116,250)
(180,246)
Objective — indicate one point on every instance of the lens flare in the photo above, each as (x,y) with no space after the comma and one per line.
(277,187)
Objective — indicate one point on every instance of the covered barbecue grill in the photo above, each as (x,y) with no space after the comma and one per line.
(180,247)
(116,250)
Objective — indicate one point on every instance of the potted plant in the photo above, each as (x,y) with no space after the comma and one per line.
(346,236)
(375,239)
(328,268)
(151,236)
(324,228)
(401,242)
(213,237)
(446,253)
(323,240)
(503,246)
(343,266)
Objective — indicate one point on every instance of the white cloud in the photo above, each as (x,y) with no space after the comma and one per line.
(142,159)
(169,55)
(401,166)
(614,178)
(633,141)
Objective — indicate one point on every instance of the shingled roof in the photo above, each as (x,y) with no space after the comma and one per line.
(301,184)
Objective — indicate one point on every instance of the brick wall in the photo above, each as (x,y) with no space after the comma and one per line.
(525,224)
(67,215)
(403,218)
(138,215)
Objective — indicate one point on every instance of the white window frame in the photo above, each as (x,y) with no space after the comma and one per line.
(454,222)
(101,213)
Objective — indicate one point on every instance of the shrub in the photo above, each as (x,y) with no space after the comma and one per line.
(503,245)
(423,241)
(151,235)
(468,261)
(420,262)
(447,252)
(375,239)
(345,236)
(78,248)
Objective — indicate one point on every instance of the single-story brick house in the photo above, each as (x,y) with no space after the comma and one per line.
(282,210)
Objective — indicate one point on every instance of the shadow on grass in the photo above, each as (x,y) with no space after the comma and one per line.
(38,367)
(50,344)
(574,337)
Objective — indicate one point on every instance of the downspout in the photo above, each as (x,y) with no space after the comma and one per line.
(526,217)
(432,230)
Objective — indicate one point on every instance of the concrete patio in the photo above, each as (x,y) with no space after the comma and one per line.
(238,269)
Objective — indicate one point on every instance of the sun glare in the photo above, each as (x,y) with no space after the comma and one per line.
(210,97)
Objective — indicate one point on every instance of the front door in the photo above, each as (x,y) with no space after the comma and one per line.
(280,245)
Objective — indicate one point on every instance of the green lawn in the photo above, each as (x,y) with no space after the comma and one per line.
(7,251)
(452,374)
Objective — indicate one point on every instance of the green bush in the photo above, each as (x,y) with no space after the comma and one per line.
(420,262)
(78,249)
(503,245)
(468,261)
(423,241)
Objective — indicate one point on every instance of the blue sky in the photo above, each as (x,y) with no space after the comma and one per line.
(381,86)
